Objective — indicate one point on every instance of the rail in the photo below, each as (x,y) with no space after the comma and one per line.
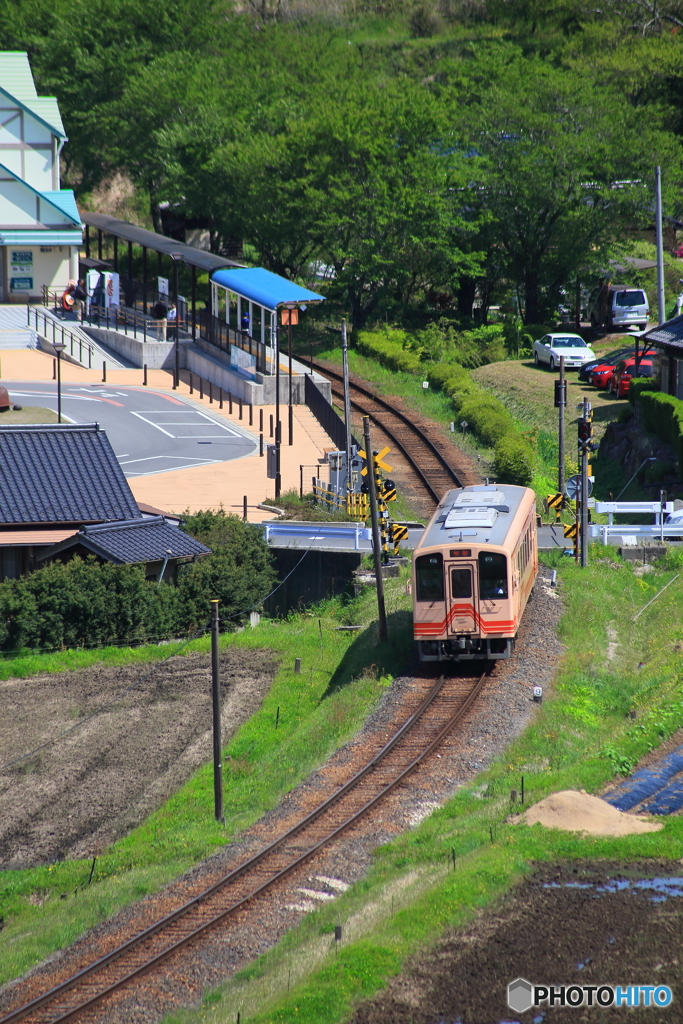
(436,733)
(416,459)
(53,329)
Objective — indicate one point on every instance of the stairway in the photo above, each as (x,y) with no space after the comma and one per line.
(13,330)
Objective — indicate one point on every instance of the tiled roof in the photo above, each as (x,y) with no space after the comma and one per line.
(51,474)
(138,540)
(669,333)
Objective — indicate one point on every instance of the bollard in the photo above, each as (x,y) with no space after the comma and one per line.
(337,932)
(191,388)
(271,424)
(54,369)
(251,415)
(201,387)
(260,420)
(210,393)
(230,402)
(244,514)
(297,665)
(104,372)
(260,445)
(144,375)
(220,394)
(240,401)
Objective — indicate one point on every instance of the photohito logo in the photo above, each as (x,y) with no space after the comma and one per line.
(523,996)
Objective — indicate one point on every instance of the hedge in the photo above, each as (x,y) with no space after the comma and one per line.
(84,603)
(485,414)
(663,416)
(638,385)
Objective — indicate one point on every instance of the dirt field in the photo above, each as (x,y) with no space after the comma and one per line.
(82,792)
(558,928)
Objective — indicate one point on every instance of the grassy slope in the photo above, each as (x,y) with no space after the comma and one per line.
(580,738)
(343,676)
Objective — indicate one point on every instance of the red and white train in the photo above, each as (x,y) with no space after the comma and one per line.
(473,572)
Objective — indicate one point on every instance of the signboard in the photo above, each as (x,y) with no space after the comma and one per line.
(21,284)
(573,487)
(289,316)
(23,257)
(102,288)
(162,286)
(243,361)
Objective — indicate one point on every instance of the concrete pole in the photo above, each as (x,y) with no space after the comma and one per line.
(376,548)
(661,309)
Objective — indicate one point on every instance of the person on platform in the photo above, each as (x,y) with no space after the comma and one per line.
(160,312)
(79,295)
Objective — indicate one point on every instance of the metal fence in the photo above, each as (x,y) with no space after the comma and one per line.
(216,332)
(52,331)
(326,415)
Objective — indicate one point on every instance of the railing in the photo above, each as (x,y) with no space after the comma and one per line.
(334,499)
(218,333)
(325,415)
(52,330)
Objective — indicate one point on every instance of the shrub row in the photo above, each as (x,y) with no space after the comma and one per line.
(387,347)
(83,603)
(663,415)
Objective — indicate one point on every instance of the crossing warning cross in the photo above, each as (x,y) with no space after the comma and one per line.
(378,460)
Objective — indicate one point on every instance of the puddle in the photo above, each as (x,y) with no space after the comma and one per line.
(661,888)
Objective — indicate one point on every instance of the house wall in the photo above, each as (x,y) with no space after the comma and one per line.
(27,148)
(49,265)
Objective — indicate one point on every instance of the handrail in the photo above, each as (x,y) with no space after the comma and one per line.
(63,329)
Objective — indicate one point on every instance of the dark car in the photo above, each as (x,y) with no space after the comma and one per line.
(586,371)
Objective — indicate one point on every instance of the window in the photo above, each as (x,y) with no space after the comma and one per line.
(570,342)
(461,583)
(429,578)
(630,299)
(493,576)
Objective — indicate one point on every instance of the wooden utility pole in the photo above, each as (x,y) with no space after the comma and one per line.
(216,700)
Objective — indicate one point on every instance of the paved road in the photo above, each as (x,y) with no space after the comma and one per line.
(150,431)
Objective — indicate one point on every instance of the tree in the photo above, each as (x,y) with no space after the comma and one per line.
(567,167)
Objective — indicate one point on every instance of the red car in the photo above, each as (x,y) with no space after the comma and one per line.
(624,372)
(601,375)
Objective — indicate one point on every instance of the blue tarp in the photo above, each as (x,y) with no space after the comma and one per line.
(263,287)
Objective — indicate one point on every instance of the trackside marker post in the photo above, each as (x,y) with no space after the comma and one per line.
(216,701)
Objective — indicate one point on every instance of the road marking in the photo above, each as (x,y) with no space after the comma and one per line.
(153,424)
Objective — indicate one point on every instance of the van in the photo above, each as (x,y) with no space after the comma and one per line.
(617,307)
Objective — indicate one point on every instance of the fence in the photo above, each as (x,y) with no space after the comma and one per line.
(52,331)
(336,500)
(217,333)
(326,415)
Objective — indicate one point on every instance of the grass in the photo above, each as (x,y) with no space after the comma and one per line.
(343,676)
(467,854)
(32,414)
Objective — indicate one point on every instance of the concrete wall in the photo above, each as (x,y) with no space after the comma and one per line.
(51,265)
(156,355)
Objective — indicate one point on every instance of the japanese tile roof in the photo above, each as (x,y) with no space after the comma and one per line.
(669,333)
(137,540)
(51,474)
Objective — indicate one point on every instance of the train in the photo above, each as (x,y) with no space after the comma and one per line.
(474,570)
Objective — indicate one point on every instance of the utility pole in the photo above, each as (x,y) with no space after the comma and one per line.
(561,403)
(347,404)
(661,309)
(216,700)
(376,549)
(585,447)
(291,410)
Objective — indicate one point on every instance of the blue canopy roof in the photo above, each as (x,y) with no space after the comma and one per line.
(263,288)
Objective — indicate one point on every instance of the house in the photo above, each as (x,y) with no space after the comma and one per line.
(63,493)
(667,340)
(40,226)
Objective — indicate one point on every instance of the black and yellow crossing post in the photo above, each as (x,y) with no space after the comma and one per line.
(556,501)
(381,613)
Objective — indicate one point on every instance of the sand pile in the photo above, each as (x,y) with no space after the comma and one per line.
(580,812)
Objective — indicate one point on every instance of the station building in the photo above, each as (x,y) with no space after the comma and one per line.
(40,227)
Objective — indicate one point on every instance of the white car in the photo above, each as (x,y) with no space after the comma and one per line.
(574,349)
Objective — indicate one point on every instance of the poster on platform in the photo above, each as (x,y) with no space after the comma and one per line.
(242,361)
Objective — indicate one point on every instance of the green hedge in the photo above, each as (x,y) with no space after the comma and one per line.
(83,603)
(637,386)
(485,414)
(663,415)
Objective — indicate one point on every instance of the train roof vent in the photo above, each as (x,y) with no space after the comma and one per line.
(479,499)
(461,518)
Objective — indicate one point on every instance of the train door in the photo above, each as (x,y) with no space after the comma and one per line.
(462,598)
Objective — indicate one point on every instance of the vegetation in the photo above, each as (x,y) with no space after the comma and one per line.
(663,415)
(302,720)
(466,854)
(85,603)
(423,154)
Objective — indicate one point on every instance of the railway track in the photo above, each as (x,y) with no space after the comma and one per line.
(88,994)
(428,456)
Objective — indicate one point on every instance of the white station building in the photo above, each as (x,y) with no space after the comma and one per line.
(40,227)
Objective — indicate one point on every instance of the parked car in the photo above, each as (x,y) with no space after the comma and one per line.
(614,306)
(611,359)
(548,350)
(602,374)
(624,372)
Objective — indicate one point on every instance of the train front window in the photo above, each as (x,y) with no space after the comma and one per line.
(461,582)
(429,578)
(493,576)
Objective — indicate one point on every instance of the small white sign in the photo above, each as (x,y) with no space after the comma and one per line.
(425,384)
(162,285)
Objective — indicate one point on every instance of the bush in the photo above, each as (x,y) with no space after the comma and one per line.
(487,416)
(387,347)
(663,415)
(514,460)
(637,386)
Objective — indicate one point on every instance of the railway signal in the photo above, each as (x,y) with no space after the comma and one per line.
(586,446)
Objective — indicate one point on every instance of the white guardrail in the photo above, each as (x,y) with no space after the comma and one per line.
(658,531)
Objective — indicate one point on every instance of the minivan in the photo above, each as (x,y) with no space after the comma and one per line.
(616,306)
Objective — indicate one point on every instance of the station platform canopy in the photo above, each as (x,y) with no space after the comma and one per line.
(263,288)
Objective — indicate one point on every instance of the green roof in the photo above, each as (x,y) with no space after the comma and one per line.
(16,81)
